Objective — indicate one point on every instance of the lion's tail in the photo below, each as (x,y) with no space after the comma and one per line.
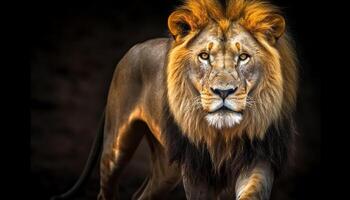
(89,166)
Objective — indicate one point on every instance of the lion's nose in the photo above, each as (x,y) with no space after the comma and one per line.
(224,93)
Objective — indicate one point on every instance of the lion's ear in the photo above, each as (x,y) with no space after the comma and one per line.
(180,23)
(271,26)
(277,26)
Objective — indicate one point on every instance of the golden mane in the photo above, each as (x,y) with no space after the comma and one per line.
(274,97)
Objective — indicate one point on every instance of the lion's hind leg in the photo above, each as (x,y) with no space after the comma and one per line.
(118,150)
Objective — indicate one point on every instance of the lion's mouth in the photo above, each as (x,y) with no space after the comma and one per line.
(223,109)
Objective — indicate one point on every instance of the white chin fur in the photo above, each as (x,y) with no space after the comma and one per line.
(223,120)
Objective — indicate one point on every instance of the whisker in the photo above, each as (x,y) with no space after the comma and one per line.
(197,104)
(250,102)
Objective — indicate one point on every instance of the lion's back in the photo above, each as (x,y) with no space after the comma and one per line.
(144,60)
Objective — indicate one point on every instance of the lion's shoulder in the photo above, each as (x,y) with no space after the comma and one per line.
(152,49)
(148,57)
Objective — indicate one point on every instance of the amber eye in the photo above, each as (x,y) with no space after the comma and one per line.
(243,56)
(204,56)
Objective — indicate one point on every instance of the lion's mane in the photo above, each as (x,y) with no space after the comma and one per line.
(266,127)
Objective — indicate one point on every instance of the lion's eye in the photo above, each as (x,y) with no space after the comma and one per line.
(243,56)
(204,56)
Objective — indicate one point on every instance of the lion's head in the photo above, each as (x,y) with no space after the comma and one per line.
(231,71)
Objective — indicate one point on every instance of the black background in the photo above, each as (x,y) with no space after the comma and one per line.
(74,48)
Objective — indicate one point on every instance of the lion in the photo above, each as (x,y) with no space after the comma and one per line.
(215,102)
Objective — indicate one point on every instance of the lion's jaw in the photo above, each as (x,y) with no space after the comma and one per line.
(224,119)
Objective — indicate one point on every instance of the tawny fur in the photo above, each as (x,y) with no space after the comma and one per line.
(152,94)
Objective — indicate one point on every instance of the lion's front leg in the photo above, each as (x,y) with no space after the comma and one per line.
(255,184)
(196,191)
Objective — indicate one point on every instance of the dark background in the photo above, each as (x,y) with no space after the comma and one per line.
(74,51)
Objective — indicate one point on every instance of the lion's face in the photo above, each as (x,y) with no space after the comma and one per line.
(224,69)
(230,70)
